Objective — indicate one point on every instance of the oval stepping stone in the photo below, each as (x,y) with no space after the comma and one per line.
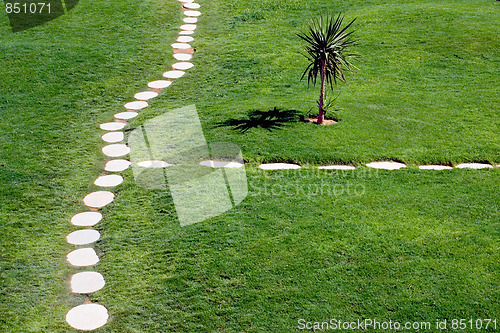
(337,167)
(158,85)
(186,0)
(191,5)
(190,20)
(116,150)
(98,199)
(188,27)
(279,166)
(185,39)
(113,137)
(182,46)
(109,181)
(474,166)
(182,65)
(182,56)
(221,164)
(83,257)
(87,317)
(173,74)
(153,164)
(114,126)
(386,165)
(186,32)
(117,165)
(434,167)
(136,105)
(124,116)
(145,95)
(81,237)
(86,282)
(194,13)
(86,219)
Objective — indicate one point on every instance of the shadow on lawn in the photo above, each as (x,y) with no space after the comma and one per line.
(272,119)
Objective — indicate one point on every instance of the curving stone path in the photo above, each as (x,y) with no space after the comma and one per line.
(91,316)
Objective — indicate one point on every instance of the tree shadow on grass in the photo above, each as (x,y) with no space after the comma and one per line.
(269,120)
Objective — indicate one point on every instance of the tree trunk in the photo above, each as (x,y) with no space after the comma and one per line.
(321,114)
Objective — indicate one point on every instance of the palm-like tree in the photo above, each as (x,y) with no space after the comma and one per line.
(327,42)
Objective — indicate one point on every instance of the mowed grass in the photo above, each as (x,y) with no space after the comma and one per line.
(405,245)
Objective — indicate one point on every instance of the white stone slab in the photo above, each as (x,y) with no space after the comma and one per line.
(86,219)
(386,165)
(181,46)
(474,166)
(86,282)
(185,39)
(221,164)
(82,237)
(113,137)
(186,0)
(114,126)
(87,317)
(193,13)
(184,65)
(190,20)
(173,74)
(117,165)
(159,84)
(191,5)
(145,95)
(108,181)
(125,115)
(337,167)
(116,150)
(434,167)
(154,164)
(279,166)
(98,199)
(182,56)
(188,27)
(136,105)
(83,257)
(186,32)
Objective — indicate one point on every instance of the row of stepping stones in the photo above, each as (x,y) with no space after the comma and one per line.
(386,165)
(90,316)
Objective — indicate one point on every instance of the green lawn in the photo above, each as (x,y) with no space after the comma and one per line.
(405,245)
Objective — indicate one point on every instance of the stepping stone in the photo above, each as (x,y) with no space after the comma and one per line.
(434,167)
(186,32)
(194,13)
(191,5)
(98,199)
(182,65)
(86,219)
(182,56)
(337,167)
(113,137)
(145,95)
(186,0)
(116,150)
(124,116)
(136,105)
(114,126)
(185,39)
(86,282)
(187,51)
(173,74)
(279,166)
(87,317)
(182,46)
(154,164)
(474,166)
(386,165)
(81,237)
(188,27)
(190,20)
(159,85)
(83,257)
(221,164)
(117,165)
(108,181)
